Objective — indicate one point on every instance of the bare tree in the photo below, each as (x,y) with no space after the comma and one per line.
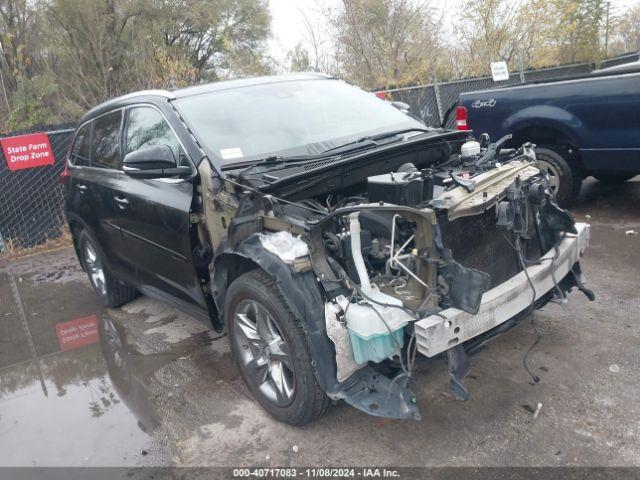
(386,42)
(625,31)
(493,30)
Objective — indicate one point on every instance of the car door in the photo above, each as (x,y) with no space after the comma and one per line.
(154,213)
(98,182)
(81,200)
(608,109)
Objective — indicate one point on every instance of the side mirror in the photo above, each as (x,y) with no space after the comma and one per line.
(403,107)
(157,161)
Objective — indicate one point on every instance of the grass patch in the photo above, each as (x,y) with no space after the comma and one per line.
(13,250)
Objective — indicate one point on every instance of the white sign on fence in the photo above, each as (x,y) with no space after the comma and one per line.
(499,71)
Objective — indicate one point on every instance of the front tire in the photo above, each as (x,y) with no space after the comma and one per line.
(270,348)
(112,292)
(565,179)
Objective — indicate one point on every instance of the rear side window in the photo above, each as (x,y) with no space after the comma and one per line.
(106,140)
(81,150)
(146,127)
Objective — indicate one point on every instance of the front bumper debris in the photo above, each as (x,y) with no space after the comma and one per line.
(438,333)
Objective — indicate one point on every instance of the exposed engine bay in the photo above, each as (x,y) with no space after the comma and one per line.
(431,249)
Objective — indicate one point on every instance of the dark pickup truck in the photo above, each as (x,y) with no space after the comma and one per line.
(581,126)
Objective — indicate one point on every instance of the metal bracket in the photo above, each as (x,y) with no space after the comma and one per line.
(468,184)
(459,366)
(578,278)
(196,218)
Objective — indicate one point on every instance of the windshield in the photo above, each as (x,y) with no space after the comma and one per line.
(287,118)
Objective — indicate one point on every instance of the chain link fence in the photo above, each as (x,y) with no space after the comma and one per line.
(435,103)
(31,201)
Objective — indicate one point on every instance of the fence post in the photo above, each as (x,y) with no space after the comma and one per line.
(436,91)
(520,66)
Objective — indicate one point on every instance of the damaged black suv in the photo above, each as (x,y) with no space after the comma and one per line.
(330,234)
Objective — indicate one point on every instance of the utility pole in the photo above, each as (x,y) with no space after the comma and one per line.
(436,91)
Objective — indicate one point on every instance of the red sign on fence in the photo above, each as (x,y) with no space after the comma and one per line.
(78,332)
(27,151)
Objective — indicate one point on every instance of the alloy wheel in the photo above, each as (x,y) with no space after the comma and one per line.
(264,352)
(552,174)
(95,268)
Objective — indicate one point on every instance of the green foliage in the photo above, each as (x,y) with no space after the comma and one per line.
(33,103)
(59,58)
(578,27)
(298,59)
(219,39)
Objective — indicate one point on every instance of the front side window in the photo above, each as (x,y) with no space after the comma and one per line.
(81,150)
(106,140)
(146,127)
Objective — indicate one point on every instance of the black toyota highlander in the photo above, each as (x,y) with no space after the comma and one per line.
(332,236)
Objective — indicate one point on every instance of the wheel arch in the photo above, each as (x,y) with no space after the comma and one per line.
(300,291)
(541,134)
(250,255)
(226,268)
(550,136)
(76,224)
(547,122)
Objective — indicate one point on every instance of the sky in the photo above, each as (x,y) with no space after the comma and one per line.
(288,19)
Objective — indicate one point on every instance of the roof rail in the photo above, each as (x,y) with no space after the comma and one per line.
(142,93)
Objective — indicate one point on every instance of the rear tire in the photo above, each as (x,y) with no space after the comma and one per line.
(565,178)
(112,292)
(614,178)
(270,348)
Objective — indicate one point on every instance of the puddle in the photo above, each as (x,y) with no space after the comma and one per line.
(84,386)
(130,373)
(72,393)
(63,410)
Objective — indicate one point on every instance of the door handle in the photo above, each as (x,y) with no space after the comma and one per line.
(122,202)
(81,187)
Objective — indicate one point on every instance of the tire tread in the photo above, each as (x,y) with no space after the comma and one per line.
(118,293)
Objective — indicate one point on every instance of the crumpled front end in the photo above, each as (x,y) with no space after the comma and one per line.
(432,261)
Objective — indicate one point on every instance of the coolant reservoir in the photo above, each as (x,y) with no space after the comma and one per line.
(371,339)
(470,148)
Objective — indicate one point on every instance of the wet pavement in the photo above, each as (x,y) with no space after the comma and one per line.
(147,385)
(59,404)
